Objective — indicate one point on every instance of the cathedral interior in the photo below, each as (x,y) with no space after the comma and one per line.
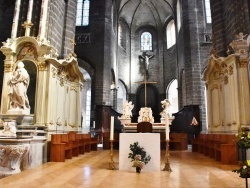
(143,51)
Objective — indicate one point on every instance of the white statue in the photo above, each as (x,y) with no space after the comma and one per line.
(165,112)
(9,129)
(127,109)
(18,86)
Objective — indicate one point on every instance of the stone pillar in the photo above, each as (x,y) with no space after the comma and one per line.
(40,94)
(8,69)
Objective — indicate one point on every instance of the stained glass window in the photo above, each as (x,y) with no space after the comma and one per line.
(146,41)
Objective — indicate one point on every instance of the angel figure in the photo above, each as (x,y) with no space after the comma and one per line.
(127,109)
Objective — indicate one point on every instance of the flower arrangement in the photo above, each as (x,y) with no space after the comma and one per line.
(244,170)
(243,139)
(138,156)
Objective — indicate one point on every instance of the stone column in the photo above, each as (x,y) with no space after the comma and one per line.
(41,94)
(8,69)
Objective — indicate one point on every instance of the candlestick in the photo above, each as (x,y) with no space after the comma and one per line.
(112,128)
(167,156)
(111,163)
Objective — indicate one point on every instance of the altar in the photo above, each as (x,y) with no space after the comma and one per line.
(151,144)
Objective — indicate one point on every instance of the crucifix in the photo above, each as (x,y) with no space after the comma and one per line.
(145,82)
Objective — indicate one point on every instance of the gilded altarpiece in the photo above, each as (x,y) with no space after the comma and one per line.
(227,89)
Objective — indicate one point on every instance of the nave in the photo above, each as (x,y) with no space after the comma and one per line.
(189,170)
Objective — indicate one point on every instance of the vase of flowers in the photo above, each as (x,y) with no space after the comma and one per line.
(244,170)
(138,156)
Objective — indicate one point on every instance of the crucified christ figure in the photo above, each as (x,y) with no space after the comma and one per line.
(146,58)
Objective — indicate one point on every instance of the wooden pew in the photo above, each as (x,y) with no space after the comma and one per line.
(195,142)
(178,141)
(201,141)
(226,150)
(106,140)
(90,143)
(80,143)
(74,143)
(87,143)
(68,146)
(57,149)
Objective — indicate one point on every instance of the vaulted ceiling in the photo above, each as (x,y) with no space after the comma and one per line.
(146,12)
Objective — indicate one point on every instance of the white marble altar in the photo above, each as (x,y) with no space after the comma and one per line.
(151,144)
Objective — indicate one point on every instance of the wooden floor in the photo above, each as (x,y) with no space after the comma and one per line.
(189,170)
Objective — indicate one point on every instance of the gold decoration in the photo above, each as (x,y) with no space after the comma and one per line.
(8,67)
(41,66)
(72,125)
(54,72)
(231,69)
(243,63)
(216,125)
(215,86)
(73,88)
(225,80)
(28,49)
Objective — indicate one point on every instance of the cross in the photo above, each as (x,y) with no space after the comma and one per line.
(145,86)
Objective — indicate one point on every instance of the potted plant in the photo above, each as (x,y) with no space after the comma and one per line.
(138,156)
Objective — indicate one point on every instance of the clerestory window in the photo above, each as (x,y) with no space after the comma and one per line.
(171,40)
(82,13)
(208,11)
(146,41)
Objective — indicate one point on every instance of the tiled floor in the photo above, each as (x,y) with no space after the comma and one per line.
(189,170)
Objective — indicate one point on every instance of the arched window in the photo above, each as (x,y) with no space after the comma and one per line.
(172,92)
(170,34)
(208,11)
(82,13)
(122,35)
(178,7)
(146,41)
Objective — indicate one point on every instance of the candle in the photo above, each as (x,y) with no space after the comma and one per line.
(93,124)
(167,132)
(112,128)
(29,15)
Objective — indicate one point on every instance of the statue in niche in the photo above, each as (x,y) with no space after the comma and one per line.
(165,112)
(127,109)
(18,86)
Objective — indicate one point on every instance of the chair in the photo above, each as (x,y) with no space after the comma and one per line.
(144,127)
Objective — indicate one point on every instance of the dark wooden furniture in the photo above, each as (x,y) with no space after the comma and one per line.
(106,140)
(144,127)
(71,144)
(177,141)
(221,147)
